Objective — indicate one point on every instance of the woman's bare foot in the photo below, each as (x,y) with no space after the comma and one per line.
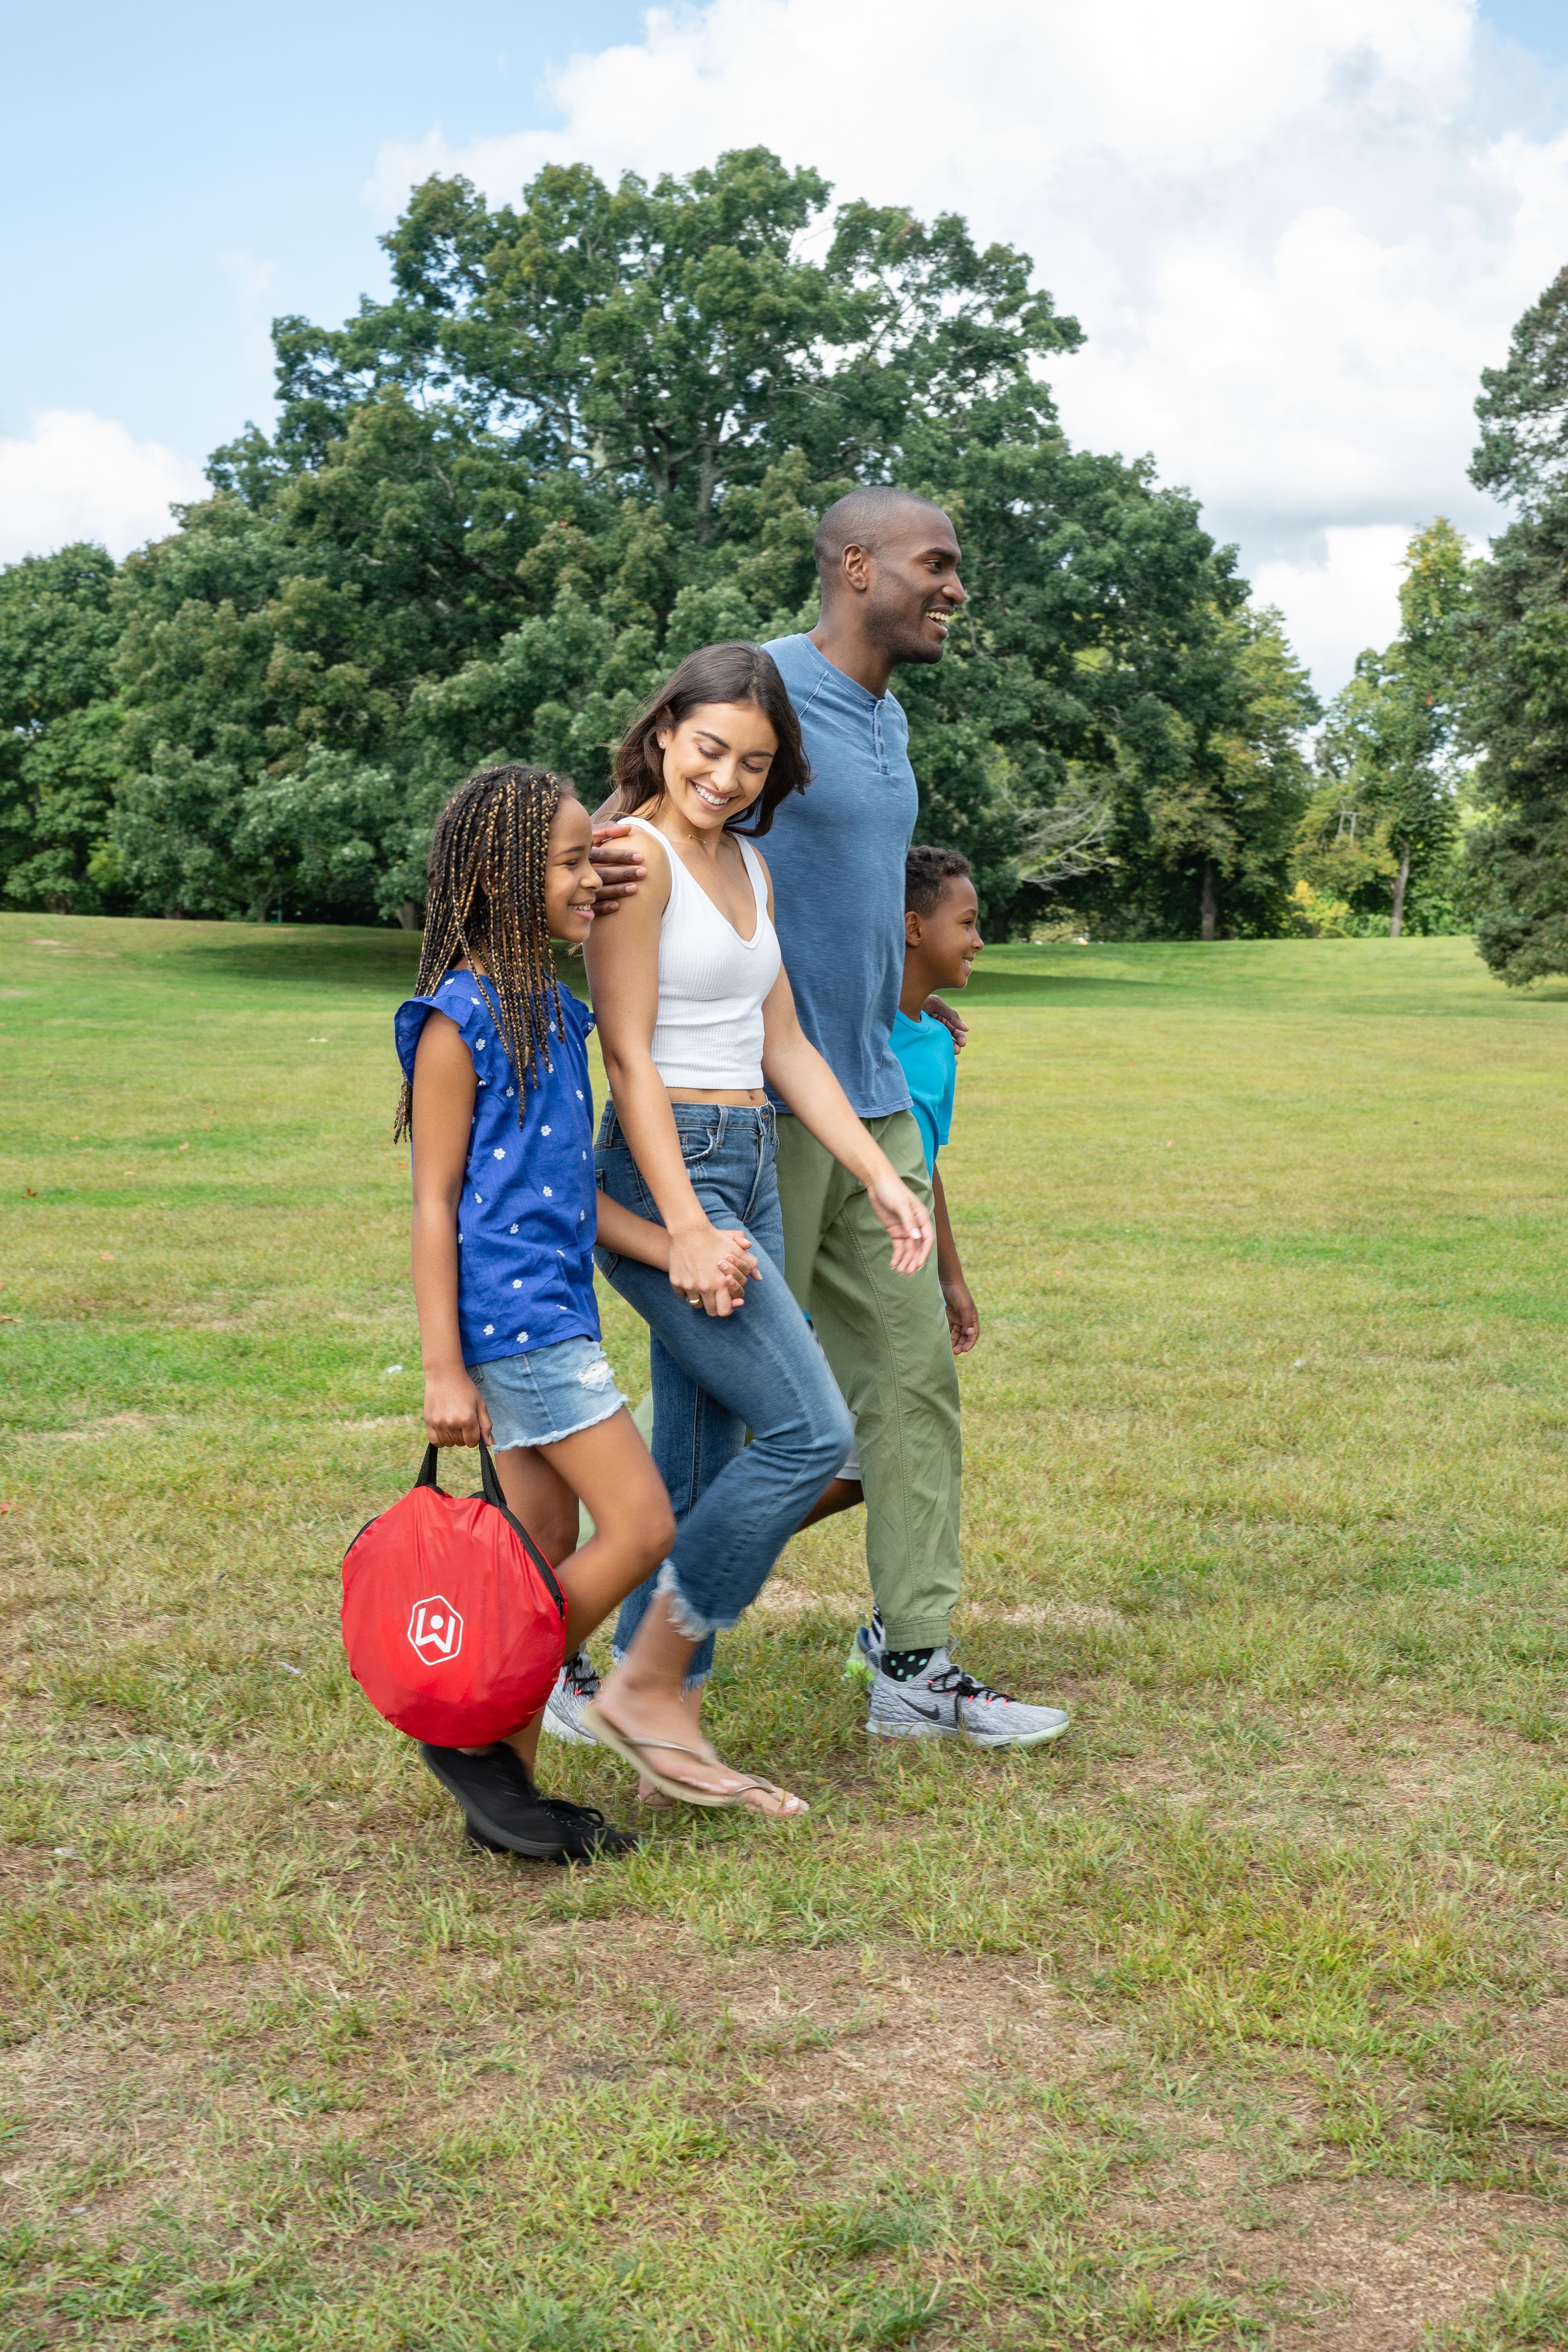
(658,1727)
(648,1793)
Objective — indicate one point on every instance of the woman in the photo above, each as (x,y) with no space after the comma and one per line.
(695,1012)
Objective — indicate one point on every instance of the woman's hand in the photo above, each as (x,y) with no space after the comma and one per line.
(455,1412)
(908,1223)
(704,1265)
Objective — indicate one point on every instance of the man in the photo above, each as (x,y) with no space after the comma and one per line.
(889,564)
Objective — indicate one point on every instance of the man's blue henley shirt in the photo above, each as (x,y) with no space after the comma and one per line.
(837,855)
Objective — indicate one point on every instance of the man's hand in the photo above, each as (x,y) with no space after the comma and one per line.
(618,863)
(962,1316)
(956,1029)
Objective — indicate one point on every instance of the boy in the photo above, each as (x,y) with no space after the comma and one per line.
(942,939)
(941,930)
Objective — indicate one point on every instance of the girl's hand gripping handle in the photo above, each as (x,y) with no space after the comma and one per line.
(455,1412)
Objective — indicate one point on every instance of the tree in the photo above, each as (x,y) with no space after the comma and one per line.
(1237,812)
(1387,810)
(589,432)
(1517,666)
(60,732)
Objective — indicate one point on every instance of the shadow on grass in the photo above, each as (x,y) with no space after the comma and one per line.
(1063,988)
(326,958)
(309,957)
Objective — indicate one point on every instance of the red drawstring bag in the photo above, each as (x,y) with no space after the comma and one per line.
(453,1622)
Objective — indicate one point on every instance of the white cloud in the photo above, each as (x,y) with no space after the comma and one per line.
(1344,600)
(1295,234)
(77,476)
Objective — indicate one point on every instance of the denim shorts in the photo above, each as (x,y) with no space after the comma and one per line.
(549,1393)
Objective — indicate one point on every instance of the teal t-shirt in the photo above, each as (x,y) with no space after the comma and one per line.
(925,1053)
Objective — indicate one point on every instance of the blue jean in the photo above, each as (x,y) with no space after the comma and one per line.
(736,1506)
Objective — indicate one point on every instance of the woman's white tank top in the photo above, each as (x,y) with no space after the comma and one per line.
(711,981)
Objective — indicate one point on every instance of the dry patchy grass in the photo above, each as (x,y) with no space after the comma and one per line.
(1240,2019)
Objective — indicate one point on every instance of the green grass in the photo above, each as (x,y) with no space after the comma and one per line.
(1240,2019)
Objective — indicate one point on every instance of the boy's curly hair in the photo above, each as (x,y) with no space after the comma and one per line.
(485,896)
(927,873)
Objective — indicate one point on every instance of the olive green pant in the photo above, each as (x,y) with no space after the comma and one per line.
(886,1337)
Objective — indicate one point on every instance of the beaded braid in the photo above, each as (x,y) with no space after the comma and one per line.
(485,891)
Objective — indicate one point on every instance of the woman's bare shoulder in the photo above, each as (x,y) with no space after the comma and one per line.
(657,856)
(643,912)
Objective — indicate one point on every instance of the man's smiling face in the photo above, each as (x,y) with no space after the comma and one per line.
(914,592)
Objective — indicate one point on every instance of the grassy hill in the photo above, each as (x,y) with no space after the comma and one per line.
(1241,2018)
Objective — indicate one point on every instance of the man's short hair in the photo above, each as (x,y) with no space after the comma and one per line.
(862,520)
(927,873)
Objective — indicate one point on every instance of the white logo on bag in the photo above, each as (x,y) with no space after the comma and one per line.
(436,1630)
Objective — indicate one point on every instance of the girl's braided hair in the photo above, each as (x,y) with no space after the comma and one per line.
(485,897)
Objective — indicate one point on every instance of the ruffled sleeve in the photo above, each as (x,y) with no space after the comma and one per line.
(461,998)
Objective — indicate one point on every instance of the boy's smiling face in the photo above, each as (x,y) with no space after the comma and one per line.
(947,939)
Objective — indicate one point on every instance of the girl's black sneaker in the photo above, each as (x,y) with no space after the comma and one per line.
(590,1836)
(501,1803)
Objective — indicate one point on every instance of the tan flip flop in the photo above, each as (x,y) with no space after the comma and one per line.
(655,1799)
(635,1752)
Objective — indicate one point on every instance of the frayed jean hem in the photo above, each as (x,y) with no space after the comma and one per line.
(688,1623)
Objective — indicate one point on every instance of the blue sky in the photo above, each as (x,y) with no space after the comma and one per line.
(175,175)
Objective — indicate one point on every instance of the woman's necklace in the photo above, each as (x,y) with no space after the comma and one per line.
(696,838)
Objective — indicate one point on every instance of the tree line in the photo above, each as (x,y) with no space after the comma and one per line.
(587,433)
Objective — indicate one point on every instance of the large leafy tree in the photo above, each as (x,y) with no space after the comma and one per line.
(589,432)
(1516,696)
(60,730)
(1384,821)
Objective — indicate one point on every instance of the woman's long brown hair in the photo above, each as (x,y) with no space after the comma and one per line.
(734,672)
(485,898)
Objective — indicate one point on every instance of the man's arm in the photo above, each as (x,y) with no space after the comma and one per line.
(618,863)
(953,1022)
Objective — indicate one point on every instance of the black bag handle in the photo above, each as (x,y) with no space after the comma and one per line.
(489,1482)
(489,1487)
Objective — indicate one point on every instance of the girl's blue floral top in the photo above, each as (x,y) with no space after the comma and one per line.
(526,1221)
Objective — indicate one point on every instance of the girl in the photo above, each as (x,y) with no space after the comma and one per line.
(496,1099)
(694,1011)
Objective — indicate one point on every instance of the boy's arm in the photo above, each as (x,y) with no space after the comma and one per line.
(963,1315)
(625,1235)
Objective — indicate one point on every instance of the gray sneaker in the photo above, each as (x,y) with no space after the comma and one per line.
(575,1685)
(944,1703)
(865,1652)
